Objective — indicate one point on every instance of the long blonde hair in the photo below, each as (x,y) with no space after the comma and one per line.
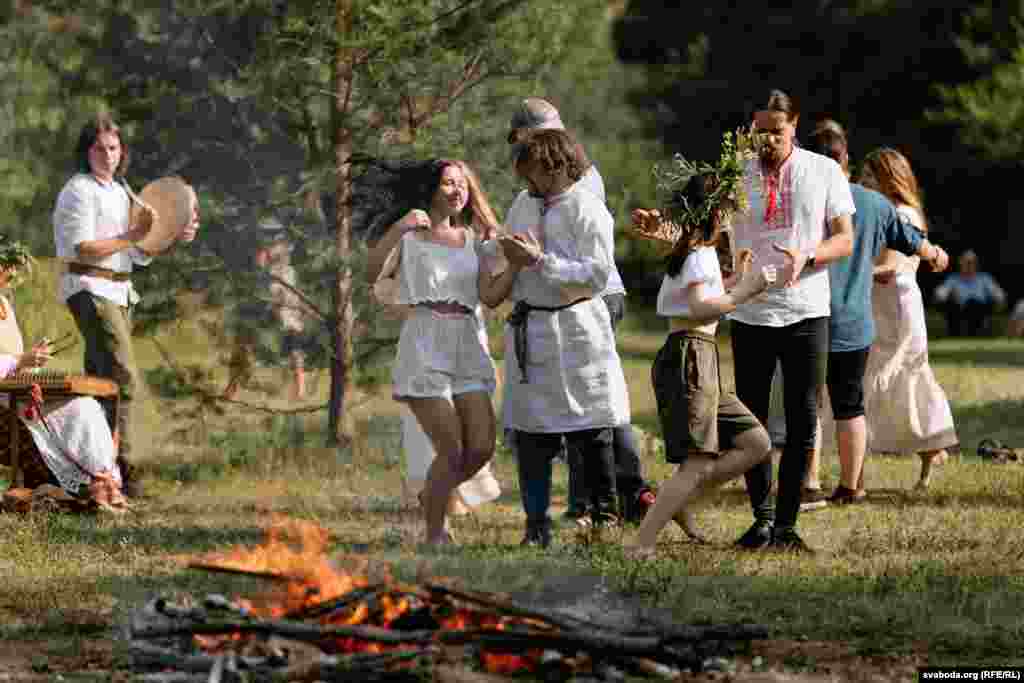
(478,213)
(896,179)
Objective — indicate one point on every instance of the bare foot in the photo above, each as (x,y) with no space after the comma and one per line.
(230,391)
(687,521)
(928,460)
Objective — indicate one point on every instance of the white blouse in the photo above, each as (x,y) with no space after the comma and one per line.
(431,271)
(88,210)
(701,266)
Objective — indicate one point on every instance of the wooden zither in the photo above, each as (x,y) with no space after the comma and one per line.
(56,382)
(17,449)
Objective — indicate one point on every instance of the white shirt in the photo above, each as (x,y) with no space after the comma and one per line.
(576,234)
(88,210)
(701,266)
(574,371)
(593,183)
(812,191)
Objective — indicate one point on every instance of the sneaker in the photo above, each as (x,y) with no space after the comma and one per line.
(538,537)
(812,499)
(787,541)
(576,517)
(645,501)
(604,520)
(845,496)
(757,536)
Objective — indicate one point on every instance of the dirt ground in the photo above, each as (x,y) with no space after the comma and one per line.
(781,661)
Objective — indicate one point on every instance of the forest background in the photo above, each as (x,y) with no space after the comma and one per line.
(271,108)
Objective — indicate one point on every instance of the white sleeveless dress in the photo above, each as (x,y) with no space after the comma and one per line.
(436,348)
(907,411)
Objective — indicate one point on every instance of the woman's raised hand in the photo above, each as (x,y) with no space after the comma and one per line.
(417,219)
(36,357)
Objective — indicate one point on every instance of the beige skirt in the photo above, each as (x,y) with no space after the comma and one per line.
(906,409)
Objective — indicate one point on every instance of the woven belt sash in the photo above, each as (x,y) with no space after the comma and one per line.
(517,321)
(96,271)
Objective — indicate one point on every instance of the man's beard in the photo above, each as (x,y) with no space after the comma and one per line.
(770,155)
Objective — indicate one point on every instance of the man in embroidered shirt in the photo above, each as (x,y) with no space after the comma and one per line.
(635,494)
(798,218)
(97,241)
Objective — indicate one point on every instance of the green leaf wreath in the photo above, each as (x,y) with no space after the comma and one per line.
(726,196)
(15,255)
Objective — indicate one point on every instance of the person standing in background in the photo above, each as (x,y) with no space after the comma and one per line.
(97,240)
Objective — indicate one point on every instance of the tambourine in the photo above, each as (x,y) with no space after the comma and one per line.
(174,201)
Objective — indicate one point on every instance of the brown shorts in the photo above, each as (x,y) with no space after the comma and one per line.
(696,414)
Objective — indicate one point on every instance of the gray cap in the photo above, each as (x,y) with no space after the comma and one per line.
(534,112)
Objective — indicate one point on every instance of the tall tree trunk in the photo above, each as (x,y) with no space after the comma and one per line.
(341,366)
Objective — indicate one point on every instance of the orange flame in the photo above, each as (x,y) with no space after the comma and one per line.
(295,551)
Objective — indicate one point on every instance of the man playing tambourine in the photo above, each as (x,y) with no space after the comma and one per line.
(100,239)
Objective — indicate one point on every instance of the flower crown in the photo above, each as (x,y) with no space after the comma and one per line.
(725,178)
(725,197)
(14,255)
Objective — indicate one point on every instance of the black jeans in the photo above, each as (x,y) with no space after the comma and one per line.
(802,349)
(534,453)
(629,478)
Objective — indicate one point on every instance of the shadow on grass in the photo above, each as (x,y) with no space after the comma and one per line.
(983,353)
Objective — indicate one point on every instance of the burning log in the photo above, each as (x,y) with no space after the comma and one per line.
(320,623)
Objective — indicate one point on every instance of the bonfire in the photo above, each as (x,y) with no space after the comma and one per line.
(320,621)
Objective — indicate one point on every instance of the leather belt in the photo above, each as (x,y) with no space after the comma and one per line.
(96,271)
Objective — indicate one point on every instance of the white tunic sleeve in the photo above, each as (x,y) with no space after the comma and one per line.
(593,263)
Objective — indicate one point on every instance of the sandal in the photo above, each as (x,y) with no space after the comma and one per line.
(996,451)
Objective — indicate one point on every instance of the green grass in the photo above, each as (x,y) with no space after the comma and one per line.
(938,573)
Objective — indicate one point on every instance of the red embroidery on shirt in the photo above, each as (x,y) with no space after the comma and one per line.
(777,193)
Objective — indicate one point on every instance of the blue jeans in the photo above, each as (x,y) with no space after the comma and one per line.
(802,350)
(534,453)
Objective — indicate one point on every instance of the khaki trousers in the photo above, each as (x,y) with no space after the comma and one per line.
(107,329)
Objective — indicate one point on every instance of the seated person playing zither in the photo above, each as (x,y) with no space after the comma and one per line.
(68,442)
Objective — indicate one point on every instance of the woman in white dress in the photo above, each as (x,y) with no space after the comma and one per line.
(906,409)
(73,445)
(443,370)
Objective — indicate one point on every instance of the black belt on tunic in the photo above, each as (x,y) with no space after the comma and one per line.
(517,321)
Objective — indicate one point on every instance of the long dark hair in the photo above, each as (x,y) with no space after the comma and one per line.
(388,189)
(91,131)
(707,233)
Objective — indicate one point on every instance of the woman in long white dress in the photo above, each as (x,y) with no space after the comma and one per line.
(906,409)
(74,446)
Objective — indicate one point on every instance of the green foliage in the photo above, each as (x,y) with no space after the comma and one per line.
(724,177)
(989,112)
